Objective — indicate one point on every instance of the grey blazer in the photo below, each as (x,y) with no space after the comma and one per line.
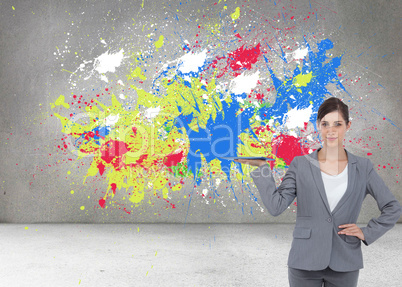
(316,243)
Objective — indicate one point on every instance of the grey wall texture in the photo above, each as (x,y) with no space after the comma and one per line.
(118,111)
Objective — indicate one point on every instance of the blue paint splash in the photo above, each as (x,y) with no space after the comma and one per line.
(289,96)
(220,138)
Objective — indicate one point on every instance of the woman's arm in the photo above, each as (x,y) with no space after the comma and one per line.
(276,200)
(387,204)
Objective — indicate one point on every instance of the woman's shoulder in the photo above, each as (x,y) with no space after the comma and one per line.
(360,160)
(311,158)
(304,159)
(363,164)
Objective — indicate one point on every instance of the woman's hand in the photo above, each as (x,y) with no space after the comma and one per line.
(351,230)
(252,162)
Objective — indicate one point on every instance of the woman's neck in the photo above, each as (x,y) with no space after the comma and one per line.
(332,154)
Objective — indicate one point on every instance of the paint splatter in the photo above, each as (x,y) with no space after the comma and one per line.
(164,120)
(159,43)
(235,15)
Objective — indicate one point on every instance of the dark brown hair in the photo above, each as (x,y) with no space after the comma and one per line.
(331,105)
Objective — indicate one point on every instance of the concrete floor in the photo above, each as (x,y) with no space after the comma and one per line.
(168,255)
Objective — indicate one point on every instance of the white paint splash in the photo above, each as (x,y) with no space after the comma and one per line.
(108,62)
(244,83)
(300,53)
(296,118)
(104,78)
(104,63)
(112,119)
(192,62)
(152,112)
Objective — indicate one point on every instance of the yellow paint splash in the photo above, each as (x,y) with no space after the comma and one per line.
(235,15)
(137,73)
(302,80)
(60,102)
(177,187)
(141,141)
(137,197)
(147,143)
(159,43)
(203,104)
(71,127)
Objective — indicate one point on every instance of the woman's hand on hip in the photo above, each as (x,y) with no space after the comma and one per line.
(351,230)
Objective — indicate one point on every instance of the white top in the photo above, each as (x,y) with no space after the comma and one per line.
(335,186)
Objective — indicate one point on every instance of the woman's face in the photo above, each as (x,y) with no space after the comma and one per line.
(333,128)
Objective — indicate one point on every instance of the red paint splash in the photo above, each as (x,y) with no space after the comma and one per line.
(142,158)
(259,97)
(88,135)
(102,203)
(261,129)
(239,59)
(113,152)
(173,159)
(287,148)
(244,58)
(101,168)
(113,186)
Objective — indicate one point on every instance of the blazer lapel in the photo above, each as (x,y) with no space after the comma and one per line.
(315,170)
(351,181)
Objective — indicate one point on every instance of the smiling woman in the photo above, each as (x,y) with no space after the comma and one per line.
(330,185)
(333,123)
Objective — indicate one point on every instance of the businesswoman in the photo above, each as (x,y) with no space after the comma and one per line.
(330,185)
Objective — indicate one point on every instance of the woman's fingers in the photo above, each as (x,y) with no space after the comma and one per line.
(351,230)
(347,225)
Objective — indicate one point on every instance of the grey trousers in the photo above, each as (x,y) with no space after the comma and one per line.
(326,277)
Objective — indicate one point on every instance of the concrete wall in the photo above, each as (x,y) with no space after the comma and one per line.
(88,51)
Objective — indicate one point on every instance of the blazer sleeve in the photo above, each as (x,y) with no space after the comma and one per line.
(276,200)
(387,204)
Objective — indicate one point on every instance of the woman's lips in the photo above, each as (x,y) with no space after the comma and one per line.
(331,139)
